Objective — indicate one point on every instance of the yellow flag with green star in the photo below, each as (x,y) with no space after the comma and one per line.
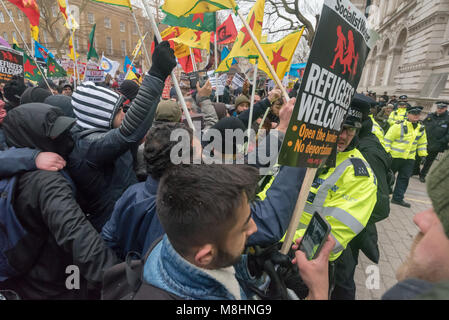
(244,45)
(194,39)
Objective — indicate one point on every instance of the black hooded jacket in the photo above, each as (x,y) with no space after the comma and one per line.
(59,234)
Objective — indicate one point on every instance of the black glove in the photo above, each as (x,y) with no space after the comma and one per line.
(423,159)
(163,61)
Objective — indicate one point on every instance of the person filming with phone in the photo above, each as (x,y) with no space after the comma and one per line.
(344,195)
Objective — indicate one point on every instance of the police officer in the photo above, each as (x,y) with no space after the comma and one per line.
(437,130)
(404,140)
(344,195)
(400,114)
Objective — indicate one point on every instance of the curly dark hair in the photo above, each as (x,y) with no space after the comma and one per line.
(158,147)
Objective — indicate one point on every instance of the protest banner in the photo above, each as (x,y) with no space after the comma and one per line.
(237,81)
(339,51)
(11,64)
(94,75)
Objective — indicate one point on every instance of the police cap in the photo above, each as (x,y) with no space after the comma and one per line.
(414,109)
(358,111)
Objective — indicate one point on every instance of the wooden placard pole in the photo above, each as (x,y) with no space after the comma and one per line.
(299,208)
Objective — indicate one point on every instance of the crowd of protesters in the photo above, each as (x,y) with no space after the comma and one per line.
(89,182)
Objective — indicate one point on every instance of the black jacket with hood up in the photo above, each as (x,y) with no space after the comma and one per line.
(59,234)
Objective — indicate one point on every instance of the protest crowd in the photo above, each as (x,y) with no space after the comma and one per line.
(144,189)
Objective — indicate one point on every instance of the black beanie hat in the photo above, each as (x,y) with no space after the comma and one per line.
(34,95)
(129,89)
(14,89)
(231,123)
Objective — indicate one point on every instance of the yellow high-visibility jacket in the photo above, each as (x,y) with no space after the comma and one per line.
(345,196)
(403,141)
(397,116)
(378,131)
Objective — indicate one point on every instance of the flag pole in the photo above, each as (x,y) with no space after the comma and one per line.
(192,57)
(173,76)
(216,56)
(147,56)
(250,121)
(77,75)
(26,46)
(263,55)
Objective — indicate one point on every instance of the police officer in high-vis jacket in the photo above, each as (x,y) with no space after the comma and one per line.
(345,195)
(404,140)
(400,114)
(437,131)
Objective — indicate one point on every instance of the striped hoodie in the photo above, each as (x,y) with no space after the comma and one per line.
(94,106)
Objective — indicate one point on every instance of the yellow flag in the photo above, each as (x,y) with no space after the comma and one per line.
(194,39)
(71,54)
(14,41)
(131,75)
(186,7)
(137,51)
(280,54)
(35,32)
(181,50)
(121,3)
(243,45)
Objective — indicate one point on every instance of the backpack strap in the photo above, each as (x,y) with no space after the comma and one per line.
(134,271)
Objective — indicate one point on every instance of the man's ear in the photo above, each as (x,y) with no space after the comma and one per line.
(205,255)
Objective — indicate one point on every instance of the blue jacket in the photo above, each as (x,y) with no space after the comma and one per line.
(134,224)
(14,161)
(167,270)
(101,163)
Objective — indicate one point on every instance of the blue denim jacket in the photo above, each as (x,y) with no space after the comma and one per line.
(167,270)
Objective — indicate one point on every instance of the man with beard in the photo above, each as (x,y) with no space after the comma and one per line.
(57,233)
(205,211)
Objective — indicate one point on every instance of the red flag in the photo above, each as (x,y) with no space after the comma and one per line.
(226,32)
(167,87)
(29,8)
(186,62)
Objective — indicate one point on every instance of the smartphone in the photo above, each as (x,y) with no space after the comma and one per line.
(315,236)
(193,78)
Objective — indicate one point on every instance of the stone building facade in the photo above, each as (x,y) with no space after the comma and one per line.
(116,34)
(412,54)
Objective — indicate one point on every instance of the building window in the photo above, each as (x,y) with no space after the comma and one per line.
(90,18)
(122,26)
(10,14)
(5,36)
(54,11)
(58,35)
(19,15)
(123,47)
(109,45)
(107,23)
(14,36)
(77,44)
(134,29)
(45,38)
(2,18)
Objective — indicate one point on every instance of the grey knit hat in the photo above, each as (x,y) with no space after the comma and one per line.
(437,185)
